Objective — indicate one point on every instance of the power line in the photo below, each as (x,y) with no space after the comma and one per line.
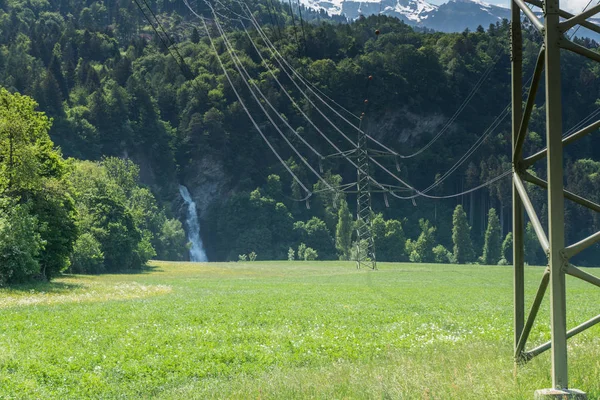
(579,26)
(183,66)
(246,77)
(294,23)
(306,82)
(446,126)
(239,66)
(256,126)
(419,193)
(302,25)
(165,33)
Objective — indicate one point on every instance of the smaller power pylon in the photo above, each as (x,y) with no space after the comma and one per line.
(361,155)
(365,242)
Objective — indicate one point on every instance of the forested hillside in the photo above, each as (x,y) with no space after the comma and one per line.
(111,88)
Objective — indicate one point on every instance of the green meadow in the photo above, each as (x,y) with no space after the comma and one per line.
(283,330)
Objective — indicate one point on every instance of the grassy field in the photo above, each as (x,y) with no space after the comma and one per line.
(282,330)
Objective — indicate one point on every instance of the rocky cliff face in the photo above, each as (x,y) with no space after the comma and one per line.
(207,182)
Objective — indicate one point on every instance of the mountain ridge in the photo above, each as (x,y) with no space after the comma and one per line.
(453,16)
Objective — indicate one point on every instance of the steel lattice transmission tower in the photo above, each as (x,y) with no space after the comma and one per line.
(555,24)
(365,243)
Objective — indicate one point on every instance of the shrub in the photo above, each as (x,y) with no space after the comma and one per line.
(442,255)
(301,250)
(242,258)
(87,257)
(421,250)
(252,256)
(291,254)
(310,254)
(20,244)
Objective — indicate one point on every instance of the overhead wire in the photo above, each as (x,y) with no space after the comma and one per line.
(242,71)
(579,26)
(302,25)
(160,25)
(243,78)
(419,193)
(241,101)
(265,99)
(283,90)
(181,63)
(276,17)
(309,193)
(294,23)
(443,130)
(299,76)
(147,18)
(435,184)
(422,193)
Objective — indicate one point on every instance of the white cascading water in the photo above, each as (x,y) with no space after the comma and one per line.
(197,253)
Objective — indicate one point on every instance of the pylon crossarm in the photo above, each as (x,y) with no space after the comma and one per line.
(566,14)
(576,20)
(576,48)
(582,245)
(535,221)
(529,161)
(535,307)
(577,273)
(568,195)
(535,83)
(530,15)
(546,346)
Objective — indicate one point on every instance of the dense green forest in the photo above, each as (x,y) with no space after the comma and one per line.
(121,120)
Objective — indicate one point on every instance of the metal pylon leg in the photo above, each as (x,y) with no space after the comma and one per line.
(556,213)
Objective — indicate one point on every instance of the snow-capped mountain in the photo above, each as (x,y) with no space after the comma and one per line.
(454,16)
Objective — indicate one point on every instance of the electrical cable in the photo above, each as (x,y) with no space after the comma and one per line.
(419,193)
(302,25)
(305,81)
(294,23)
(271,4)
(461,161)
(256,126)
(160,37)
(241,70)
(579,26)
(423,193)
(446,126)
(173,44)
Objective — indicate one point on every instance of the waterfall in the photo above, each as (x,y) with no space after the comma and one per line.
(197,253)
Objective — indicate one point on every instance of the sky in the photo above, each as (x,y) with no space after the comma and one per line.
(574,6)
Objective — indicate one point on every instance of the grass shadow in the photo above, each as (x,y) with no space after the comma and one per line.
(46,287)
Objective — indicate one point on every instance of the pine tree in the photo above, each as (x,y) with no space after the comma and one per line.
(507,248)
(461,236)
(493,240)
(343,232)
(195,38)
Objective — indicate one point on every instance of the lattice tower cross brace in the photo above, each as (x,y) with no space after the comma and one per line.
(552,30)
